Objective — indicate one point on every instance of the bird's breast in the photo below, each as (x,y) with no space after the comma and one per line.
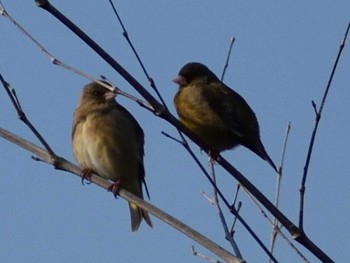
(106,144)
(197,114)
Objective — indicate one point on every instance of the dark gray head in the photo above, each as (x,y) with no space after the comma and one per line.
(192,71)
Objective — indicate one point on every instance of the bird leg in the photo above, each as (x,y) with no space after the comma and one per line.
(86,175)
(213,155)
(114,188)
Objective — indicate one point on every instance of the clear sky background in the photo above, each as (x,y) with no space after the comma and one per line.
(281,60)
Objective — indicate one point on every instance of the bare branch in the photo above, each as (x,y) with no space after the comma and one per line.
(126,35)
(195,253)
(159,108)
(227,58)
(275,223)
(57,62)
(277,228)
(228,234)
(231,208)
(22,116)
(318,114)
(239,206)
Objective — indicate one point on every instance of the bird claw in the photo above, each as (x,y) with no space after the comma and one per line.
(114,188)
(86,175)
(213,155)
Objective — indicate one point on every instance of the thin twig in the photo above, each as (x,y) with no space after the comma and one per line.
(142,103)
(22,116)
(210,200)
(275,223)
(231,208)
(149,78)
(297,235)
(228,235)
(126,35)
(239,206)
(277,228)
(59,63)
(227,59)
(197,254)
(318,114)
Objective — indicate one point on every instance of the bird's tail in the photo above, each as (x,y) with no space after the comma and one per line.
(259,149)
(267,158)
(137,214)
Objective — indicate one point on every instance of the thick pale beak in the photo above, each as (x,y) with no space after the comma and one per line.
(180,80)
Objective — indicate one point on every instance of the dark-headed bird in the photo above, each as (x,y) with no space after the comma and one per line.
(218,115)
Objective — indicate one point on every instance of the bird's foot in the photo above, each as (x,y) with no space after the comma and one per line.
(86,175)
(114,188)
(213,155)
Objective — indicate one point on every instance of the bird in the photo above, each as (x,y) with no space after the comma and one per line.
(218,115)
(107,140)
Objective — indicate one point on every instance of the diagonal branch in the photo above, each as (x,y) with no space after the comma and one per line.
(231,208)
(64,165)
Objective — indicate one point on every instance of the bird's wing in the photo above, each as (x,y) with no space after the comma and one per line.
(140,137)
(231,108)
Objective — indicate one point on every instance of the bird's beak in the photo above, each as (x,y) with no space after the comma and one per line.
(180,80)
(110,95)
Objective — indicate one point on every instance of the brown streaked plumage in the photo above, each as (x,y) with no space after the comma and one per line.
(107,140)
(215,113)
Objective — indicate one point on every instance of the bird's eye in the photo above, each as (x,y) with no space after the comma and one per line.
(97,92)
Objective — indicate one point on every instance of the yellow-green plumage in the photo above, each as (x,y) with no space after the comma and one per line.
(107,139)
(215,113)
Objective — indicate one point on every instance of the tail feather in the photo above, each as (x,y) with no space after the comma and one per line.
(259,149)
(137,214)
(268,159)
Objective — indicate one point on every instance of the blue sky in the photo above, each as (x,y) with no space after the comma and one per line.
(281,60)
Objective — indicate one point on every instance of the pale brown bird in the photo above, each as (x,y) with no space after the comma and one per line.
(108,141)
(218,115)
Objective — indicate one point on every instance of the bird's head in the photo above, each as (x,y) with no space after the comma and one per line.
(194,71)
(98,94)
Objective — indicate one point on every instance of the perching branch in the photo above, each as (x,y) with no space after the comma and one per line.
(64,165)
